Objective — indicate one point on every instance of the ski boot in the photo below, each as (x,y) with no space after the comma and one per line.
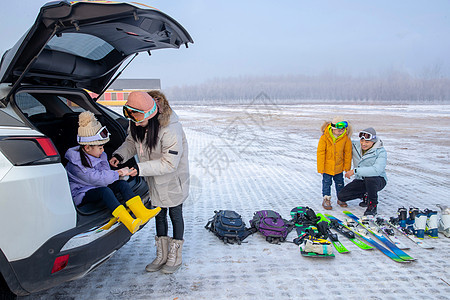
(402,216)
(419,225)
(431,228)
(413,211)
(444,221)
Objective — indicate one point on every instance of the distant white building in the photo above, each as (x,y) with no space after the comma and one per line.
(118,92)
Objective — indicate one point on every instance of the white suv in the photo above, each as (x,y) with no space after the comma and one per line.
(72,47)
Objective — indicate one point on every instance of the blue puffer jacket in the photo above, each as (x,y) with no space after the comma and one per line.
(371,164)
(83,179)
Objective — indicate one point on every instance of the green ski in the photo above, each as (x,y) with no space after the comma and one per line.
(333,236)
(348,234)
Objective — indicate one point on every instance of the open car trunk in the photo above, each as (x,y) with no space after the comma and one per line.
(54,112)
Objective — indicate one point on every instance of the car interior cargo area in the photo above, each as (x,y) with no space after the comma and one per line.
(56,116)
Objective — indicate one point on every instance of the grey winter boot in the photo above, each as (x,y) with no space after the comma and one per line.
(162,251)
(174,257)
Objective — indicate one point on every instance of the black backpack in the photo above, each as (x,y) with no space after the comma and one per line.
(228,226)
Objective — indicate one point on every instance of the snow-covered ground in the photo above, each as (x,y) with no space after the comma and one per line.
(263,156)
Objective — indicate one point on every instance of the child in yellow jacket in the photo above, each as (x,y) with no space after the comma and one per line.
(334,155)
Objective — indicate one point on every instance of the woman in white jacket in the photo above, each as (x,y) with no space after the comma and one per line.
(158,139)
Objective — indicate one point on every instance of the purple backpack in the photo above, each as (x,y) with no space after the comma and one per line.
(271,225)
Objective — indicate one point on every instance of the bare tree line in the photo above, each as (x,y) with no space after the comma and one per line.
(391,86)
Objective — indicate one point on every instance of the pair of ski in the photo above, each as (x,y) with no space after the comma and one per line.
(408,233)
(334,224)
(362,229)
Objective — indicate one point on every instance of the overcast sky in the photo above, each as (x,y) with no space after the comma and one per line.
(261,37)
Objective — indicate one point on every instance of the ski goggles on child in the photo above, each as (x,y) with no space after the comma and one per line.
(102,134)
(366,136)
(340,125)
(137,115)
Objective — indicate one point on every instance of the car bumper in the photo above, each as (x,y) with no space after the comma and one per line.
(34,273)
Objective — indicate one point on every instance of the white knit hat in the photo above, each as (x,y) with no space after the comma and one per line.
(89,127)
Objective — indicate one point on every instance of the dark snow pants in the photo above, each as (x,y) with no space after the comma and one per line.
(106,194)
(358,187)
(176,216)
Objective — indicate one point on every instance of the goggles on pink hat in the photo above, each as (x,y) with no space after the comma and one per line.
(137,115)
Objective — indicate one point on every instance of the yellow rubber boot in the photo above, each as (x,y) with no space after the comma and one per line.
(111,222)
(126,219)
(140,211)
(108,225)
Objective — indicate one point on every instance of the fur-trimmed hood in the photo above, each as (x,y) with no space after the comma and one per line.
(165,111)
(325,125)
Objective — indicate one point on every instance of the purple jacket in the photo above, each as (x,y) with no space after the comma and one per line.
(82,179)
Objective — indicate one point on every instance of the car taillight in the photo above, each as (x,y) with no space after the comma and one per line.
(24,150)
(47,146)
(60,263)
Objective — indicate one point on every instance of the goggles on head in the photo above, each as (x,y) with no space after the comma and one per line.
(340,125)
(102,134)
(137,115)
(366,136)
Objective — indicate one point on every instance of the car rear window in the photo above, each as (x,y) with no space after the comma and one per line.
(48,106)
(80,44)
(29,105)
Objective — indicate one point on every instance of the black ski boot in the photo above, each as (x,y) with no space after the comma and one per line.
(402,216)
(365,201)
(371,209)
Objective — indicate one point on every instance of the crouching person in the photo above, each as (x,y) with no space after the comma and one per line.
(92,180)
(369,163)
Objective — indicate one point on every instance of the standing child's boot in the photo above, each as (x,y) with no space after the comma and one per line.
(327,202)
(140,211)
(432,223)
(162,251)
(174,257)
(342,203)
(126,219)
(444,221)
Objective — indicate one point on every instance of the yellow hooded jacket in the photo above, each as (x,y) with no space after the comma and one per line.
(334,155)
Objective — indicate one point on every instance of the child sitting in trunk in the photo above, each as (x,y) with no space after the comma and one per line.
(91,178)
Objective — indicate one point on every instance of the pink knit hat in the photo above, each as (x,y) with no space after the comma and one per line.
(140,100)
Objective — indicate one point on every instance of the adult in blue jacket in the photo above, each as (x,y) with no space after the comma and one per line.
(369,163)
